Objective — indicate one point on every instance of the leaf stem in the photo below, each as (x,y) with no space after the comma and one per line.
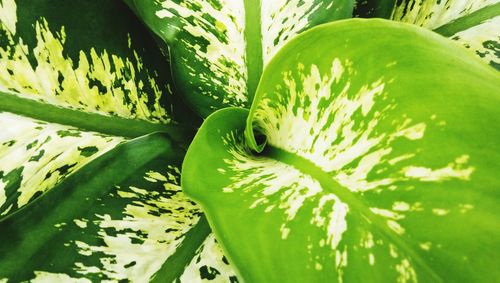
(253,38)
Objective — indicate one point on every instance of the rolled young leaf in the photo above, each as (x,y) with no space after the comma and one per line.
(358,162)
(475,24)
(219,47)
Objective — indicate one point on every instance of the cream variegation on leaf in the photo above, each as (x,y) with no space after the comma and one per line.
(82,199)
(472,23)
(219,48)
(356,162)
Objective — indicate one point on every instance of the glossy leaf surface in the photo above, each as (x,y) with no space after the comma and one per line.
(79,202)
(71,90)
(219,47)
(357,163)
(474,24)
(50,55)
(121,217)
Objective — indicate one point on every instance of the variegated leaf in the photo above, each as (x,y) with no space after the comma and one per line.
(357,163)
(112,223)
(79,202)
(36,155)
(474,24)
(219,47)
(71,90)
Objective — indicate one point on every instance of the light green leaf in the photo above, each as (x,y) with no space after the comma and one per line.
(357,162)
(219,47)
(474,24)
(122,217)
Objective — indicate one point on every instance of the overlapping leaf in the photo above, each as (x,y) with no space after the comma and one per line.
(219,47)
(122,217)
(357,162)
(79,202)
(474,24)
(72,90)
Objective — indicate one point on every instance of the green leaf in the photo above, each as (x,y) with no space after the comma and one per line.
(122,217)
(36,155)
(79,202)
(359,161)
(70,90)
(59,53)
(474,24)
(220,47)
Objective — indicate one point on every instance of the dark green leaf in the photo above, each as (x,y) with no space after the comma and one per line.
(78,201)
(72,77)
(220,47)
(474,24)
(121,217)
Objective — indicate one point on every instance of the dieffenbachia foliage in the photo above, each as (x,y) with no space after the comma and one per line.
(473,23)
(79,201)
(122,217)
(359,161)
(70,90)
(220,47)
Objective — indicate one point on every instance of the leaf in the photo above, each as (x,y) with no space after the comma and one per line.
(70,90)
(359,161)
(219,48)
(474,24)
(36,155)
(47,54)
(79,201)
(122,217)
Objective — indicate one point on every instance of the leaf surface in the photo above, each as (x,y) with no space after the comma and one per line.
(71,90)
(219,48)
(474,24)
(122,217)
(356,162)
(79,201)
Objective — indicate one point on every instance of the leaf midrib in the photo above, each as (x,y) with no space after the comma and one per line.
(327,183)
(74,189)
(253,39)
(108,125)
(473,19)
(175,265)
